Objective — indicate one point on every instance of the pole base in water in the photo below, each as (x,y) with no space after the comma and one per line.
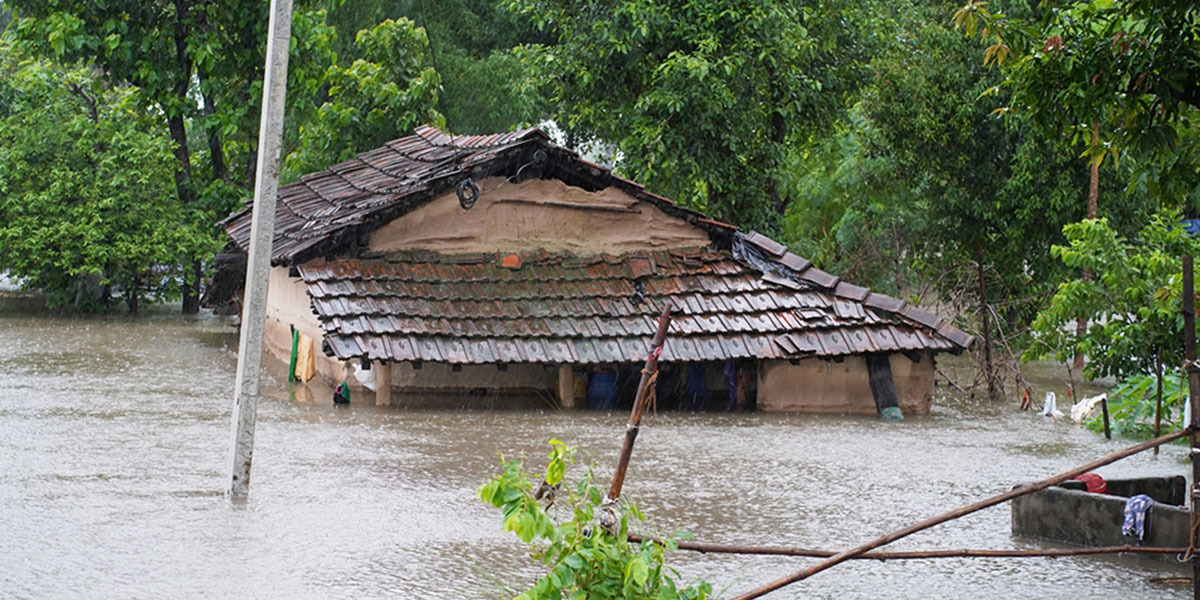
(891,413)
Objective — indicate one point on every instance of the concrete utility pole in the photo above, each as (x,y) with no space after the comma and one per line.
(262,230)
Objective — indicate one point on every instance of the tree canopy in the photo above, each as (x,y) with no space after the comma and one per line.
(701,100)
(86,209)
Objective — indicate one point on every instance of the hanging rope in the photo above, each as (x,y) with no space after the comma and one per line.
(652,391)
(1191,548)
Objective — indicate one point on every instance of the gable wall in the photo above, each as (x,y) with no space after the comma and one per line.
(538,214)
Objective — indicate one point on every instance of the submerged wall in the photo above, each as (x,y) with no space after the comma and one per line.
(288,306)
(817,385)
(1064,513)
(442,378)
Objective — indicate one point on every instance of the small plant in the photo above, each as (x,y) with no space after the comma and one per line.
(1131,406)
(588,554)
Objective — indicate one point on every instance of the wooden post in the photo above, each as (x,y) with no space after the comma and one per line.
(1107,428)
(566,386)
(262,230)
(1193,375)
(383,383)
(635,415)
(1158,374)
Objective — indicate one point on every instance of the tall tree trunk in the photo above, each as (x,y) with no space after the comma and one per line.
(177,125)
(215,150)
(985,327)
(1081,326)
(779,201)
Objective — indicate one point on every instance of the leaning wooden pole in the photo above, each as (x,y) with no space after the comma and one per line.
(262,230)
(1193,375)
(635,414)
(960,512)
(708,548)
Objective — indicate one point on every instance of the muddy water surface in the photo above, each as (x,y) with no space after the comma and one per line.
(113,434)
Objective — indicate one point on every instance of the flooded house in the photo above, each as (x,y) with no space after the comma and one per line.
(495,265)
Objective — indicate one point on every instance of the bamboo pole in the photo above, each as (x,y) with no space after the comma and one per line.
(708,548)
(959,512)
(635,415)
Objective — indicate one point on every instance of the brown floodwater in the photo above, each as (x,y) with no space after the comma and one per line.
(114,431)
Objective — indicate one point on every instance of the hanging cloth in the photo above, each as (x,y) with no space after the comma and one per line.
(306,363)
(1135,517)
(1095,483)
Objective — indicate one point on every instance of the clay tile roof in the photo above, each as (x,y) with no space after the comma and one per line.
(745,296)
(330,211)
(563,309)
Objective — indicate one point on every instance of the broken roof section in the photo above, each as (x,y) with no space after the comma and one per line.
(336,209)
(745,296)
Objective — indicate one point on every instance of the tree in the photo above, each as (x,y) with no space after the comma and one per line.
(378,97)
(933,187)
(1133,297)
(472,46)
(197,68)
(1132,68)
(85,203)
(702,100)
(1115,78)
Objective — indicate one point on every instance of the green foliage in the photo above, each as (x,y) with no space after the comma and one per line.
(1132,404)
(921,181)
(85,180)
(387,91)
(1130,68)
(850,212)
(193,71)
(584,559)
(1132,299)
(702,100)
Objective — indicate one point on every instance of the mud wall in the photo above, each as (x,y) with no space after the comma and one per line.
(540,213)
(816,385)
(287,305)
(442,378)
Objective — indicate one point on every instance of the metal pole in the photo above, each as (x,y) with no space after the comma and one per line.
(1193,375)
(262,229)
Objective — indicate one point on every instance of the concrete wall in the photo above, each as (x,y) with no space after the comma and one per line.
(817,385)
(539,213)
(1074,516)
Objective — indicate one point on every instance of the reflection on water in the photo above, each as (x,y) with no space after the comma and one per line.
(113,435)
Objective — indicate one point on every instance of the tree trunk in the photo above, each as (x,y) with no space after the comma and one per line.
(191,287)
(215,150)
(178,127)
(1081,326)
(985,327)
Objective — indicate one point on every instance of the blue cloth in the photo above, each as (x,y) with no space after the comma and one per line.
(697,387)
(1135,516)
(731,372)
